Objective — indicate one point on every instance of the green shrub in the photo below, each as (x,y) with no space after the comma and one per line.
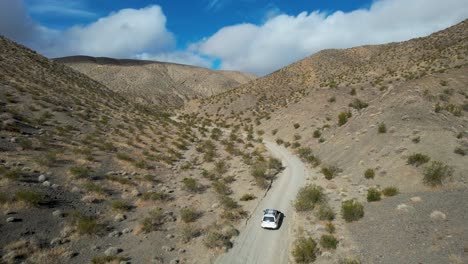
(358,104)
(373,195)
(189,215)
(349,260)
(343,118)
(221,167)
(305,250)
(191,185)
(215,239)
(369,174)
(382,128)
(275,164)
(328,242)
(390,191)
(325,212)
(49,159)
(317,133)
(306,154)
(80,171)
(123,156)
(330,172)
(247,197)
(93,187)
(330,227)
(13,174)
(153,221)
(30,196)
(308,197)
(352,210)
(227,202)
(86,225)
(221,187)
(190,232)
(418,159)
(155,196)
(436,173)
(121,206)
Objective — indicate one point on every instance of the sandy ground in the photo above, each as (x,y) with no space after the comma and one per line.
(256,245)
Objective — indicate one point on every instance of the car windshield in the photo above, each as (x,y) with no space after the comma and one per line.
(268,219)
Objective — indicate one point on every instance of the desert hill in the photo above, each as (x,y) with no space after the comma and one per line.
(368,118)
(86,173)
(160,83)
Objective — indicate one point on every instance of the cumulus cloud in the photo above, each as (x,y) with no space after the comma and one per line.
(121,34)
(283,39)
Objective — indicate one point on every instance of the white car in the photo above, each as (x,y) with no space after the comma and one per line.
(271,218)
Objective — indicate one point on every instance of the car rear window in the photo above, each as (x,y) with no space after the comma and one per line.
(268,219)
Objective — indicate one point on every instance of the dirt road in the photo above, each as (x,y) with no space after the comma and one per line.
(256,245)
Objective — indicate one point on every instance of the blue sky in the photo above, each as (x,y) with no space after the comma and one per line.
(246,35)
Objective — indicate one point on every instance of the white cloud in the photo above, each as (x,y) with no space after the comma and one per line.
(283,39)
(59,8)
(121,34)
(181,57)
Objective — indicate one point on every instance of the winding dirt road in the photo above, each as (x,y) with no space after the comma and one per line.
(256,245)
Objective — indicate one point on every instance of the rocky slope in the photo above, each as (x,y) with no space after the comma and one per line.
(397,110)
(88,176)
(165,84)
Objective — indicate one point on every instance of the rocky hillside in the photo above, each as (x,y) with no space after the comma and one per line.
(368,118)
(86,174)
(165,84)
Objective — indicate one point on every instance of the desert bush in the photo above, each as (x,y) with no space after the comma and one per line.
(416,140)
(80,172)
(296,125)
(349,260)
(86,225)
(26,143)
(317,133)
(227,202)
(369,174)
(155,196)
(221,167)
(247,197)
(418,159)
(325,212)
(49,159)
(189,215)
(123,156)
(305,250)
(306,154)
(190,232)
(307,197)
(390,191)
(343,118)
(93,187)
(13,174)
(373,195)
(274,163)
(352,210)
(107,259)
(330,227)
(332,99)
(221,187)
(153,221)
(279,141)
(436,173)
(328,242)
(382,128)
(30,196)
(215,239)
(119,179)
(274,131)
(353,91)
(358,104)
(4,198)
(330,171)
(191,185)
(141,164)
(121,206)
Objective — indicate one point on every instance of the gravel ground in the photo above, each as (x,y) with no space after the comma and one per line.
(411,235)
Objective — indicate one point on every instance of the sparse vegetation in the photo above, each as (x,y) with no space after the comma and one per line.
(352,210)
(418,159)
(325,212)
(305,250)
(382,128)
(30,196)
(390,191)
(247,197)
(343,118)
(373,195)
(330,171)
(328,241)
(189,215)
(369,174)
(191,185)
(436,173)
(358,104)
(153,221)
(80,172)
(308,197)
(122,206)
(296,125)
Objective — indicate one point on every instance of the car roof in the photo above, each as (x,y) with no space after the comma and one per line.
(270,212)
